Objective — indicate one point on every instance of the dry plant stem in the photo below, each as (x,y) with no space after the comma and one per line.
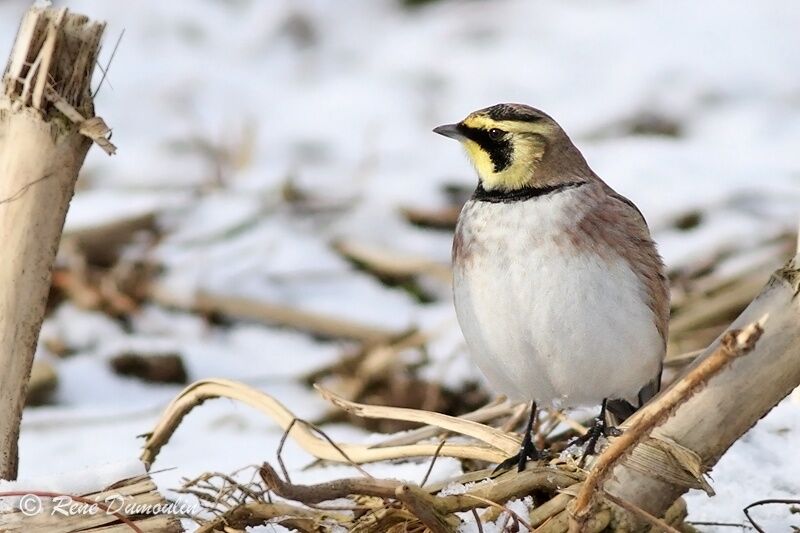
(94,128)
(507,486)
(644,515)
(734,344)
(201,391)
(438,218)
(102,242)
(135,491)
(251,309)
(41,152)
(351,364)
(258,513)
(342,453)
(494,437)
(516,418)
(496,507)
(477,520)
(390,263)
(328,326)
(469,477)
(421,504)
(431,464)
(551,507)
(558,523)
(713,309)
(81,499)
(510,485)
(682,359)
(711,420)
(331,490)
(746,510)
(484,414)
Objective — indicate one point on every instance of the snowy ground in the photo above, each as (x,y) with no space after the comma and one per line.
(340,96)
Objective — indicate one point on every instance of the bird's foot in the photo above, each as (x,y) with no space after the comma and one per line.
(599,429)
(527,452)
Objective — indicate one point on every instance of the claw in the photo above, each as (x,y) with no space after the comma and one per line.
(506,465)
(520,459)
(598,429)
(526,451)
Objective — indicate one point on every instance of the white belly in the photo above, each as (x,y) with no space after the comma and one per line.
(544,322)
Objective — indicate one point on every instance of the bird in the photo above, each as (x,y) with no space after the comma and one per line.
(558,287)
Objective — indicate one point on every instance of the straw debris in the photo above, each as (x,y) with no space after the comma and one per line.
(612,494)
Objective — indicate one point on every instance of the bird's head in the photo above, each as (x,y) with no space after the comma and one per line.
(514,146)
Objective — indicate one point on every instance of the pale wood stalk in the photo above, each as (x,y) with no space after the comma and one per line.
(45,90)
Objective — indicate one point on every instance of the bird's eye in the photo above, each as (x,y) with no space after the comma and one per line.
(495,134)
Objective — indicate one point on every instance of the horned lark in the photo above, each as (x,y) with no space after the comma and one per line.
(559,290)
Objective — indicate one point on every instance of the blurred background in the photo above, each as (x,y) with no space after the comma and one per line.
(280,213)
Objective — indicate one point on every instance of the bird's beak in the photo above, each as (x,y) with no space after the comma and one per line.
(449,130)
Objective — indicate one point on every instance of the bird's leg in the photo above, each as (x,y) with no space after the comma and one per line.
(526,451)
(600,427)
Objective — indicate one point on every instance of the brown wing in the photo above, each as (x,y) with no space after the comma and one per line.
(619,225)
(640,250)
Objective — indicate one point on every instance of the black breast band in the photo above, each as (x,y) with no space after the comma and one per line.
(519,195)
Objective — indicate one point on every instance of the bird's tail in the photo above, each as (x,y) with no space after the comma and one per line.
(620,410)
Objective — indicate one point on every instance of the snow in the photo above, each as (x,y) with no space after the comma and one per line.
(762,464)
(89,480)
(217,106)
(96,207)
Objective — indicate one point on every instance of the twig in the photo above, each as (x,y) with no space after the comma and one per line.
(244,489)
(734,344)
(503,523)
(546,429)
(108,65)
(510,485)
(257,513)
(444,218)
(516,417)
(338,448)
(715,309)
(682,359)
(549,509)
(494,437)
(92,127)
(421,504)
(574,425)
(321,448)
(330,490)
(324,325)
(496,408)
(641,513)
(477,520)
(475,476)
(746,510)
(720,524)
(88,501)
(279,451)
(504,508)
(433,462)
(389,263)
(505,487)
